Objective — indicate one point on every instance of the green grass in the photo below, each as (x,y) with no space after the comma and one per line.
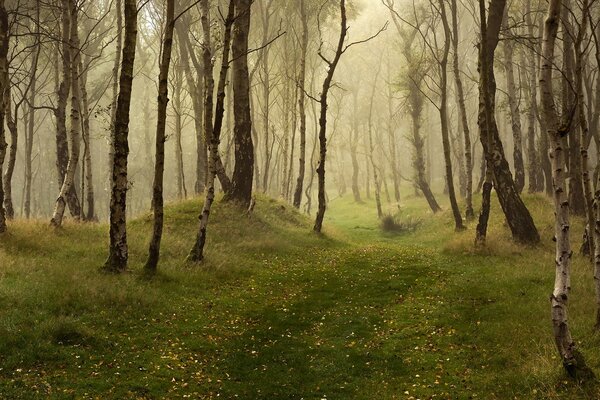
(277,312)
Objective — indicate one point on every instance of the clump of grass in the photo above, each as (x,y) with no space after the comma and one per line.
(399,224)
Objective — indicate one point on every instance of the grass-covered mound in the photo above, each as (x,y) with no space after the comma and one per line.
(277,312)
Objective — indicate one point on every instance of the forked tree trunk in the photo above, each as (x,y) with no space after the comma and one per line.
(213,132)
(243,172)
(572,361)
(517,216)
(75,128)
(161,124)
(60,112)
(118,250)
(4,38)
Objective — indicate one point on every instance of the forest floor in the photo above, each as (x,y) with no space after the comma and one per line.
(277,312)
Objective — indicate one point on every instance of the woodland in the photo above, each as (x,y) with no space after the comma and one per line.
(299,199)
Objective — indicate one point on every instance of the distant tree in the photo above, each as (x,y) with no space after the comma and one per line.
(513,104)
(332,64)
(412,83)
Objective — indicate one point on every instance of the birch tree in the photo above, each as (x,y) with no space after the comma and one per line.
(4,39)
(213,132)
(118,249)
(71,7)
(573,361)
(161,122)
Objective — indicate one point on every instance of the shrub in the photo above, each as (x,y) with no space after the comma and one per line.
(398,224)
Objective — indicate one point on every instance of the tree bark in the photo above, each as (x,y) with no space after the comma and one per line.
(443,109)
(243,172)
(213,132)
(75,119)
(515,113)
(531,91)
(196,93)
(562,285)
(372,149)
(118,250)
(11,123)
(90,213)
(323,118)
(469,213)
(4,39)
(60,112)
(518,217)
(161,123)
(115,88)
(302,105)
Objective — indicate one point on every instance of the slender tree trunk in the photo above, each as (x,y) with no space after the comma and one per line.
(90,214)
(323,118)
(31,118)
(118,250)
(584,131)
(11,123)
(393,145)
(517,216)
(115,88)
(372,150)
(62,91)
(515,113)
(213,132)
(161,123)
(4,39)
(469,213)
(302,105)
(458,224)
(75,128)
(353,150)
(572,362)
(241,190)
(266,93)
(532,154)
(196,93)
(570,116)
(178,110)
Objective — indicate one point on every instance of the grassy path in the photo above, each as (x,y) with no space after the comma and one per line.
(278,313)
